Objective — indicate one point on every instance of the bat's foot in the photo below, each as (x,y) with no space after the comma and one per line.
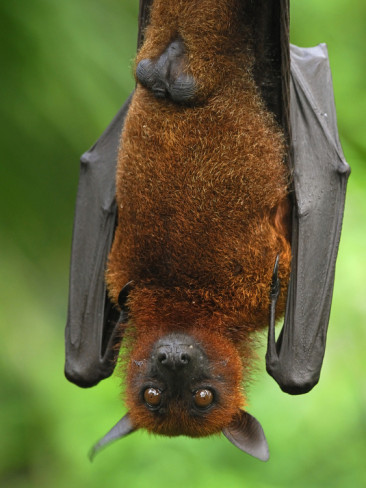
(166,76)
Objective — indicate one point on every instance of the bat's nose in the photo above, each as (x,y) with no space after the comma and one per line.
(174,357)
(177,352)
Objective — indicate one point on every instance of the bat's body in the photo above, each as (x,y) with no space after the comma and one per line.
(201,197)
(202,193)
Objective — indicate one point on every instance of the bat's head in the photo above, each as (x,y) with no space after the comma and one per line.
(189,384)
(183,384)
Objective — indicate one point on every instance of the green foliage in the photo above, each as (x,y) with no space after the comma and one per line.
(66,69)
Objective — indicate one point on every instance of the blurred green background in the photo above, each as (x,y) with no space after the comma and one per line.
(65,71)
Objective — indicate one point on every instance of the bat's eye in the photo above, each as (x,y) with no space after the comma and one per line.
(152,396)
(203,398)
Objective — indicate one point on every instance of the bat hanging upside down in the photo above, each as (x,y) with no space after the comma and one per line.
(211,221)
(202,215)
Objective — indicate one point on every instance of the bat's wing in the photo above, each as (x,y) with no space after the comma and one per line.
(271,55)
(320,175)
(92,320)
(144,17)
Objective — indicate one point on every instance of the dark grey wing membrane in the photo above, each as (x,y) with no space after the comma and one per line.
(302,100)
(320,175)
(271,48)
(144,16)
(92,320)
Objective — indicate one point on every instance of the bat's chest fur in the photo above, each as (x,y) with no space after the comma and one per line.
(199,185)
(197,188)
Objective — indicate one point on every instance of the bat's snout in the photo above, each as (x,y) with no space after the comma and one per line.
(175,352)
(174,358)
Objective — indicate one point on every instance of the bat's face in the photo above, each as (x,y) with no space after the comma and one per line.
(187,384)
(184,384)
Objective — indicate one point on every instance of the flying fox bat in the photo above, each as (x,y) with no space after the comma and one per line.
(211,205)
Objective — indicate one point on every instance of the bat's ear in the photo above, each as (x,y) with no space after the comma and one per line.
(246,433)
(121,429)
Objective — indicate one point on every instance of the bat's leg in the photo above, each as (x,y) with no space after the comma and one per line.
(275,291)
(166,75)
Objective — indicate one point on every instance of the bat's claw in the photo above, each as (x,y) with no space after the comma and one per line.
(122,299)
(275,285)
(272,353)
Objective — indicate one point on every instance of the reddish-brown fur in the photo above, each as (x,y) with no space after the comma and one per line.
(178,420)
(202,204)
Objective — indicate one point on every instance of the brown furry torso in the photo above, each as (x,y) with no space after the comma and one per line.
(200,188)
